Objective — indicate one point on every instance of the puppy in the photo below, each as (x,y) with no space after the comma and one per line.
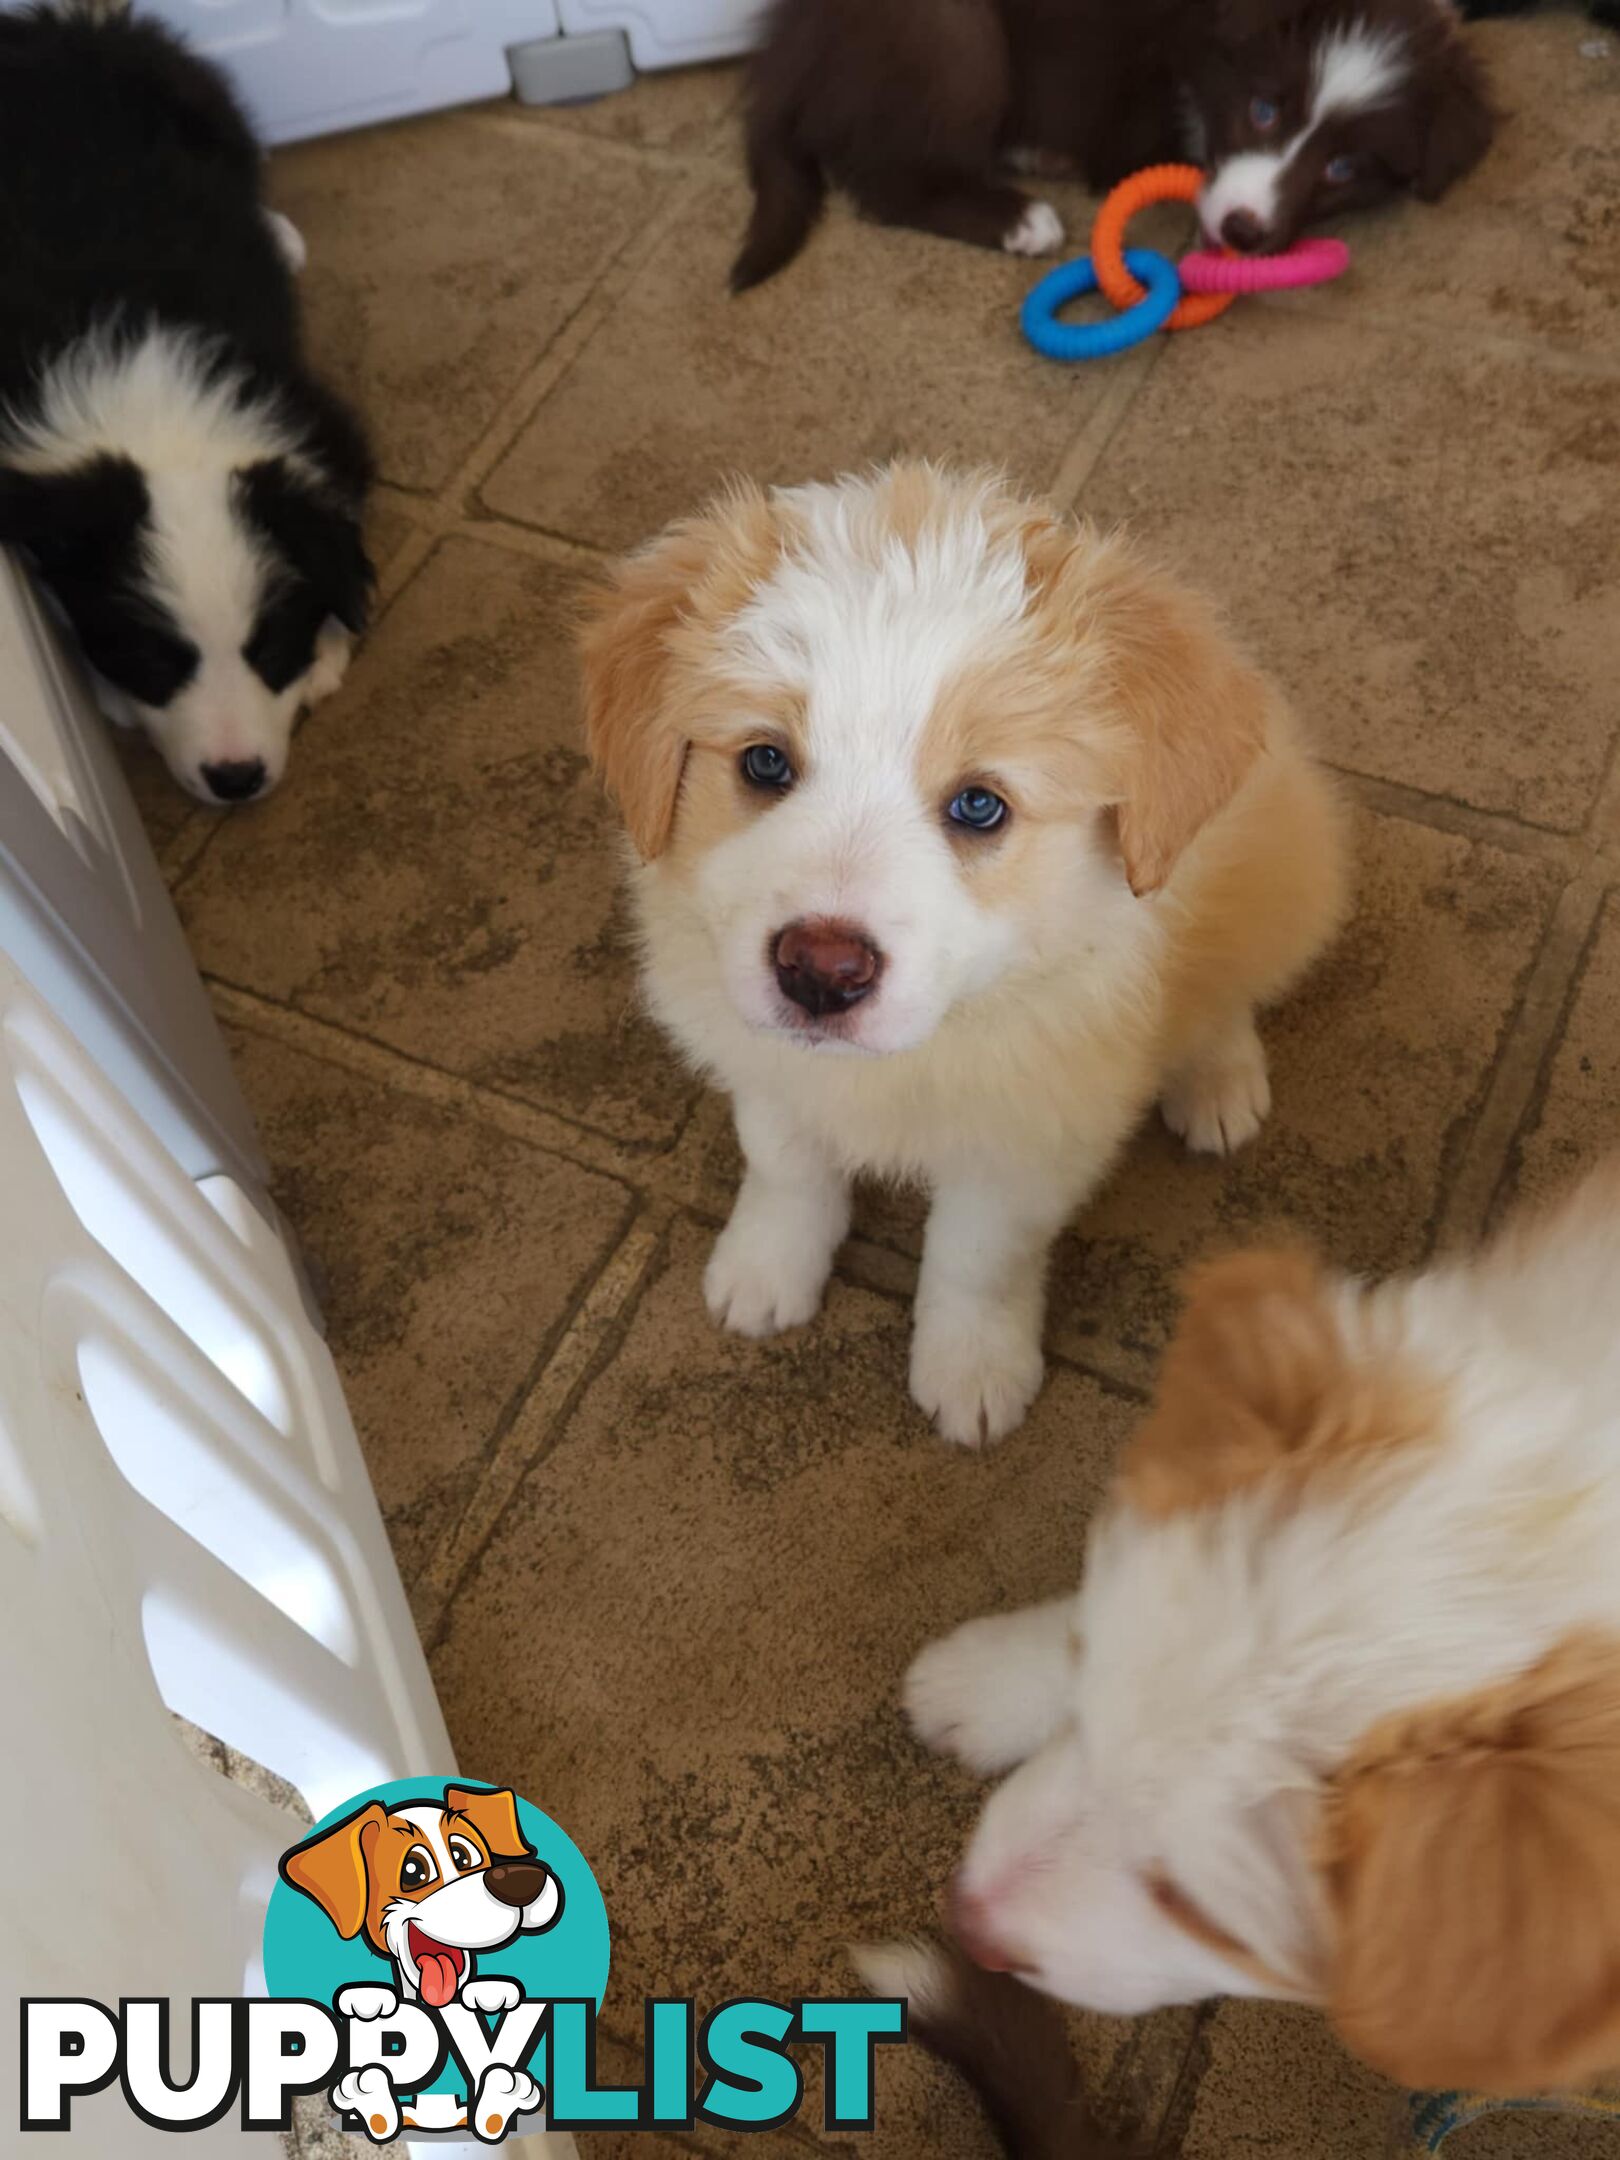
(189,494)
(1335,1716)
(960,834)
(1301,109)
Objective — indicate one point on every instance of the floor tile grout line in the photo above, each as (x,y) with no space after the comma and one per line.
(1346,312)
(584,1350)
(1444,813)
(665,158)
(1085,453)
(367,1058)
(1534,1095)
(534,541)
(461,490)
(1530,1037)
(1181,2102)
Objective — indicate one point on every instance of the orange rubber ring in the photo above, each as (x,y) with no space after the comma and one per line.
(1159,183)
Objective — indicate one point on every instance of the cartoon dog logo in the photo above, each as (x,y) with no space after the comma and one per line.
(430,1885)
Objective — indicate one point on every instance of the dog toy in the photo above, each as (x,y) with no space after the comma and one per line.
(1134,279)
(1157,297)
(1431,2117)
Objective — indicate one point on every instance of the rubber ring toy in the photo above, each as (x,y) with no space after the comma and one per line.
(1157,184)
(1157,295)
(1307,262)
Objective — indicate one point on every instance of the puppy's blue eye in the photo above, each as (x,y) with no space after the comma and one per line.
(976,808)
(1339,170)
(764,766)
(1264,113)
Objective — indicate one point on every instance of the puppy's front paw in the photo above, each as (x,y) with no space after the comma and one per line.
(991,1692)
(1039,231)
(1219,1103)
(334,649)
(761,1278)
(975,1373)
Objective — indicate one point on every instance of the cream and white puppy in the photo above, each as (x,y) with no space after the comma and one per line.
(1335,1715)
(960,835)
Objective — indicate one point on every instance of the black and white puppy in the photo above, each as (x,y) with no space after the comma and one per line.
(188,492)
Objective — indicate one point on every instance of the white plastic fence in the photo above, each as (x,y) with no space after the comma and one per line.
(307,67)
(186,1522)
(185,1525)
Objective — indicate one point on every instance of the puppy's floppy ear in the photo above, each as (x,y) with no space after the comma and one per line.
(1194,714)
(494,1816)
(636,742)
(638,637)
(316,534)
(59,515)
(1243,1382)
(331,1868)
(1472,1855)
(1259,1378)
(1459,125)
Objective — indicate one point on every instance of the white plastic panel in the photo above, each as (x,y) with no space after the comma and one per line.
(83,910)
(31,734)
(671,33)
(167,1543)
(309,67)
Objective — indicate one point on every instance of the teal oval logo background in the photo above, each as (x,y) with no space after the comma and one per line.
(304,1955)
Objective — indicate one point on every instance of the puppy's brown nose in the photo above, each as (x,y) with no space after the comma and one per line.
(825,967)
(1242,230)
(515,1882)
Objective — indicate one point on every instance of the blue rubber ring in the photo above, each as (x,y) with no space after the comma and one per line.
(1118,333)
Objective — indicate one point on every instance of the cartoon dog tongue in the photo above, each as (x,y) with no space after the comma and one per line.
(437,1969)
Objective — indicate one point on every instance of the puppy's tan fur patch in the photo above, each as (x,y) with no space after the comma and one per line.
(1258,1384)
(645,648)
(1472,1851)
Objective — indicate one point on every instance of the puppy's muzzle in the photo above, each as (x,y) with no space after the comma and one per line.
(515,1882)
(1243,231)
(825,967)
(970,1921)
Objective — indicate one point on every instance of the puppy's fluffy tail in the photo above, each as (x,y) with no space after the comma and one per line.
(788,194)
(1008,2042)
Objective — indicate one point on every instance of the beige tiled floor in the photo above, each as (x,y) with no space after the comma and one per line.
(668,1581)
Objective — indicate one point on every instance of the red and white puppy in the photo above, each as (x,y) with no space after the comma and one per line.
(1335,1715)
(962,835)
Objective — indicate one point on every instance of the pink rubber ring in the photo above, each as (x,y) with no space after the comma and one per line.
(1307,262)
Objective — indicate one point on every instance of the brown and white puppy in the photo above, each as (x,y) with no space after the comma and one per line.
(961,834)
(1301,109)
(1335,1715)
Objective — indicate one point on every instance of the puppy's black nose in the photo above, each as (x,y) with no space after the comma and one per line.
(1242,230)
(515,1882)
(826,967)
(236,780)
